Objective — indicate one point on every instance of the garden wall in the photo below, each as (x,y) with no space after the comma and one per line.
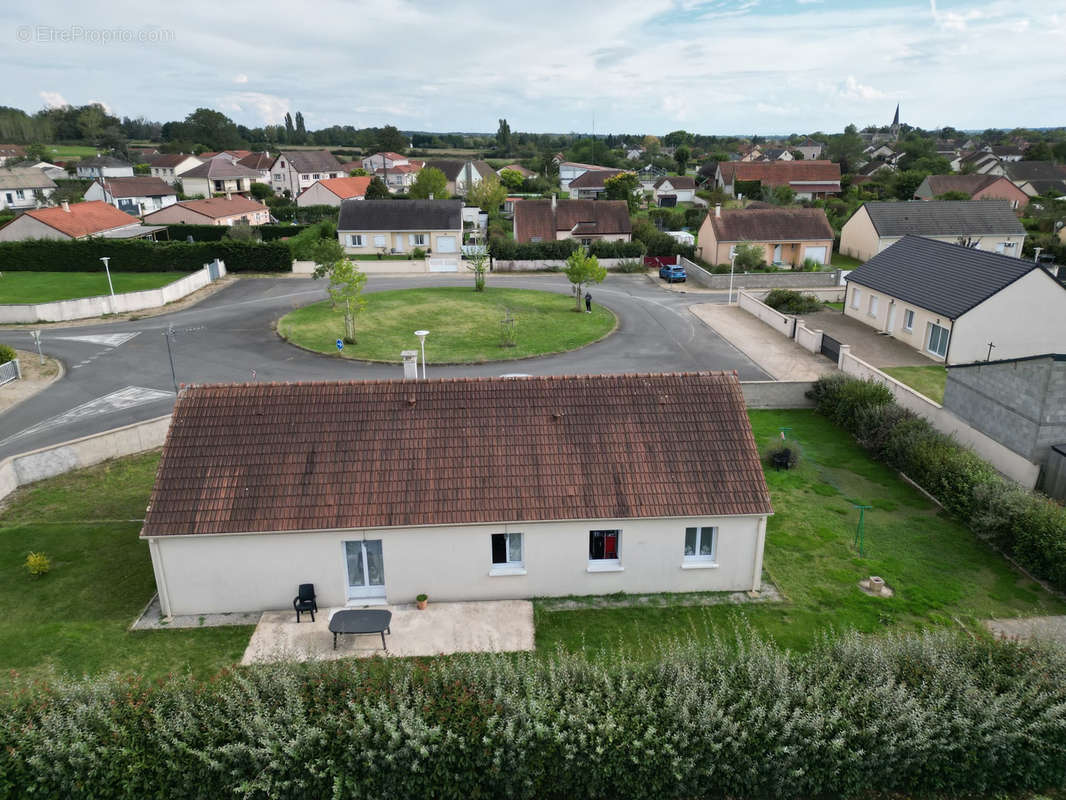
(86,307)
(782,323)
(546,265)
(762,280)
(807,338)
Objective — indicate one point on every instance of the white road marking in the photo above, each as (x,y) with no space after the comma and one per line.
(102,339)
(130,397)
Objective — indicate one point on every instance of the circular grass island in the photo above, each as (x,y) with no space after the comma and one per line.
(465,327)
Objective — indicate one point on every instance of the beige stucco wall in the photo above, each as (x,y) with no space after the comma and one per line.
(210,574)
(26,227)
(176,214)
(859,239)
(917,337)
(403,245)
(599,237)
(714,252)
(318,195)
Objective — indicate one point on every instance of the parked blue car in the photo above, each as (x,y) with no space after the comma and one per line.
(673,273)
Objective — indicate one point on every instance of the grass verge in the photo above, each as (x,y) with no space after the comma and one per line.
(928,380)
(44,287)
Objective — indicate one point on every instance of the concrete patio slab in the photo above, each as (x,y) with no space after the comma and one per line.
(495,626)
(1045,629)
(866,343)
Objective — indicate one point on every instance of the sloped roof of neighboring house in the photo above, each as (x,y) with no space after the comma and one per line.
(344,187)
(137,186)
(774,153)
(400,215)
(870,167)
(83,219)
(236,155)
(103,161)
(971,184)
(389,155)
(259,160)
(978,157)
(25,178)
(677,181)
(220,169)
(217,207)
(582,166)
(943,218)
(397,169)
(779,173)
(537,218)
(594,178)
(771,225)
(259,457)
(168,160)
(525,173)
(12,151)
(311,160)
(453,167)
(1034,171)
(1005,151)
(944,278)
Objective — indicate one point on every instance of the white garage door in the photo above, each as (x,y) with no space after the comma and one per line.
(817,253)
(445,244)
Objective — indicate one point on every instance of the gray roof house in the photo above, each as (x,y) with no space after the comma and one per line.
(462,175)
(295,170)
(1037,177)
(958,304)
(984,224)
(24,187)
(104,167)
(377,227)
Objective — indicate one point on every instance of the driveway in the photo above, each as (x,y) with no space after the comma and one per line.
(119,373)
(495,626)
(866,343)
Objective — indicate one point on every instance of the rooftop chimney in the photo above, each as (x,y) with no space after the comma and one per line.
(718,209)
(66,206)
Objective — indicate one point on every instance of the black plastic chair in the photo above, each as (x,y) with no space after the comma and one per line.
(305,601)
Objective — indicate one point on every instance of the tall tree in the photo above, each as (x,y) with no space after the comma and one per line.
(681,155)
(623,186)
(212,129)
(290,131)
(430,181)
(390,140)
(488,195)
(301,131)
(376,189)
(583,270)
(503,138)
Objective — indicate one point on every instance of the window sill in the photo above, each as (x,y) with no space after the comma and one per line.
(699,564)
(499,572)
(610,566)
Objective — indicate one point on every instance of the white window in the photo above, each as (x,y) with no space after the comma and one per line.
(873,305)
(855,294)
(938,340)
(355,240)
(19,194)
(908,320)
(535,239)
(701,544)
(315,176)
(281,164)
(507,553)
(278,176)
(418,239)
(379,240)
(604,549)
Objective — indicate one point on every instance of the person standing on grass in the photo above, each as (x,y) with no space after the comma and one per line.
(588,302)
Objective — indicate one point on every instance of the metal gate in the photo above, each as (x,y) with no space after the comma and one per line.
(443,265)
(9,371)
(830,348)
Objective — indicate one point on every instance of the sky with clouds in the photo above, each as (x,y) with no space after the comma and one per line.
(710,66)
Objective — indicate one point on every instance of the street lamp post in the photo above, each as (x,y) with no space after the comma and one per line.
(422,341)
(105,259)
(732,262)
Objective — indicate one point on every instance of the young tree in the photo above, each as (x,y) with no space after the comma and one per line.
(430,181)
(583,270)
(681,156)
(623,186)
(242,232)
(651,145)
(488,195)
(748,256)
(512,179)
(345,289)
(376,189)
(358,172)
(478,263)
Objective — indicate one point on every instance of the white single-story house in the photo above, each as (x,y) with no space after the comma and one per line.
(170,167)
(104,167)
(139,195)
(76,221)
(674,189)
(370,227)
(228,210)
(24,187)
(218,176)
(957,304)
(462,489)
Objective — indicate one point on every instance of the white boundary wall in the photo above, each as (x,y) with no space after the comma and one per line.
(86,307)
(782,323)
(1002,458)
(807,338)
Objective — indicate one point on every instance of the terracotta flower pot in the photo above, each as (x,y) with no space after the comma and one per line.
(422,604)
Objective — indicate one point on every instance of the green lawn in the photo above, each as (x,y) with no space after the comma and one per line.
(943,576)
(41,287)
(839,261)
(465,326)
(835,306)
(74,620)
(63,151)
(928,380)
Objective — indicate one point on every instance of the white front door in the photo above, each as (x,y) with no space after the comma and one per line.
(891,324)
(397,239)
(366,570)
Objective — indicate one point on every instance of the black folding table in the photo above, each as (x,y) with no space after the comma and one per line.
(360,620)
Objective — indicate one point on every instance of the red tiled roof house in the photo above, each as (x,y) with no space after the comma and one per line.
(787,235)
(811,180)
(464,489)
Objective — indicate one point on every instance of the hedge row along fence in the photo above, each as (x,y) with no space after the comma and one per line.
(215,233)
(1029,527)
(561,249)
(140,255)
(907,716)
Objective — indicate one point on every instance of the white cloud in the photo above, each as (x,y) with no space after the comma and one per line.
(53,99)
(809,2)
(268,108)
(851,89)
(954,20)
(242,78)
(103,105)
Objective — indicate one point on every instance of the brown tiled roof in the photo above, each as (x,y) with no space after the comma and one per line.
(217,207)
(260,161)
(971,184)
(771,225)
(83,219)
(296,457)
(594,178)
(779,173)
(346,187)
(168,159)
(12,151)
(536,218)
(137,186)
(220,168)
(677,181)
(525,173)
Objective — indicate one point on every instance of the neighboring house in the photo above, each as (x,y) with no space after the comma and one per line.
(75,221)
(569,170)
(776,154)
(233,156)
(24,187)
(217,176)
(670,191)
(634,153)
(399,179)
(981,162)
(749,153)
(584,220)
(811,149)
(137,196)
(332,191)
(786,235)
(295,170)
(382,160)
(11,152)
(53,171)
(871,168)
(104,167)
(261,162)
(1037,177)
(368,227)
(881,152)
(525,173)
(951,302)
(978,187)
(983,224)
(462,175)
(170,167)
(590,185)
(377,491)
(1007,153)
(810,180)
(229,210)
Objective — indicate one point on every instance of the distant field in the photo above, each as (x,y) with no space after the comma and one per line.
(42,287)
(72,151)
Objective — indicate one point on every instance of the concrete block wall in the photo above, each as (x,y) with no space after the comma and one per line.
(808,339)
(782,323)
(762,280)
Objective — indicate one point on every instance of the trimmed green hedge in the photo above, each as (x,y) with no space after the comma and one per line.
(509,250)
(141,255)
(1027,526)
(215,233)
(927,716)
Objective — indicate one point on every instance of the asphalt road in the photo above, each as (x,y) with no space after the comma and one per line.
(119,373)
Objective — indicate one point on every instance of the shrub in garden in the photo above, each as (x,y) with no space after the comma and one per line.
(788,301)
(37,564)
(631,265)
(141,255)
(7,353)
(789,450)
